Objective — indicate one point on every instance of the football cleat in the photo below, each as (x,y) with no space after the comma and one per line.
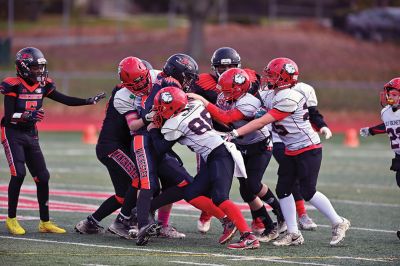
(120,227)
(50,227)
(306,223)
(171,232)
(14,227)
(257,226)
(146,232)
(88,226)
(204,222)
(229,230)
(339,231)
(290,239)
(268,235)
(247,241)
(133,231)
(282,227)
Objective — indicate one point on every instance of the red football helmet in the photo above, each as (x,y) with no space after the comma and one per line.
(233,83)
(168,102)
(280,73)
(134,75)
(389,90)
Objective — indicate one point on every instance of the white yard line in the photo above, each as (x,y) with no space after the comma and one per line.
(227,256)
(194,263)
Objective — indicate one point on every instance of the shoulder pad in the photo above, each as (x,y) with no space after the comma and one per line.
(308,92)
(287,100)
(207,82)
(170,130)
(170,81)
(252,74)
(12,81)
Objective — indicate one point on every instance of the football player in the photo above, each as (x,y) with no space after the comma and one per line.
(223,58)
(190,124)
(236,107)
(288,113)
(113,148)
(390,100)
(23,100)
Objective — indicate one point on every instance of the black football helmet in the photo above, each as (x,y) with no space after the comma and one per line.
(223,59)
(31,65)
(183,68)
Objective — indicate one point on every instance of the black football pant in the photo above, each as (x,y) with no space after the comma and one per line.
(22,147)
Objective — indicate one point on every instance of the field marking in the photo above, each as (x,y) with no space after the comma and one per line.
(194,263)
(198,254)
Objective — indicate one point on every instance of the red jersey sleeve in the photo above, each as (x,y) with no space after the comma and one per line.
(225,117)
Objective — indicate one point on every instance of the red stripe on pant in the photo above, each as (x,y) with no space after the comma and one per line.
(141,160)
(7,150)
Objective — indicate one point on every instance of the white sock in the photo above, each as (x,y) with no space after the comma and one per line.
(322,203)
(289,212)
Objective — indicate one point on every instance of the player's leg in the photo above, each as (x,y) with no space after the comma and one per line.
(309,163)
(220,166)
(37,167)
(286,178)
(204,221)
(12,141)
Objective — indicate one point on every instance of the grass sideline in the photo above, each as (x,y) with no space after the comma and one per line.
(357,181)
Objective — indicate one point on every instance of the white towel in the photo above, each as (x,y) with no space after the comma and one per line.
(240,169)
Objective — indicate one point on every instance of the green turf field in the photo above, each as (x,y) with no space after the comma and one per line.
(358,181)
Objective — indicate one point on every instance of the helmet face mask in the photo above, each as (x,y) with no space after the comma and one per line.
(183,68)
(223,59)
(280,73)
(134,76)
(234,83)
(168,102)
(31,65)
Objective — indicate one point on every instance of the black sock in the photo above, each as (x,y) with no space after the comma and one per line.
(143,207)
(266,219)
(270,198)
(170,195)
(109,206)
(43,199)
(129,201)
(14,188)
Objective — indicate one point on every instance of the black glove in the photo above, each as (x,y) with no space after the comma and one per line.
(33,116)
(96,99)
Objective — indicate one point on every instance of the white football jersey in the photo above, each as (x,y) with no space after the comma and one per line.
(247,105)
(311,100)
(294,130)
(193,128)
(392,124)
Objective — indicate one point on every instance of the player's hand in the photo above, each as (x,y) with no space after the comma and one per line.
(326,132)
(229,136)
(33,116)
(96,99)
(150,116)
(260,112)
(364,132)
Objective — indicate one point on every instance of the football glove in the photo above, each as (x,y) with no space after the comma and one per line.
(150,116)
(229,136)
(364,132)
(96,99)
(33,116)
(326,132)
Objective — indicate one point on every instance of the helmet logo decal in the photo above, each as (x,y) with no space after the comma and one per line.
(226,61)
(239,79)
(27,57)
(184,61)
(290,69)
(166,97)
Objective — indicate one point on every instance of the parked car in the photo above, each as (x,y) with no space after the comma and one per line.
(377,24)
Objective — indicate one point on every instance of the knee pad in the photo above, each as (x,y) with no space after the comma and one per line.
(246,194)
(307,192)
(282,192)
(42,176)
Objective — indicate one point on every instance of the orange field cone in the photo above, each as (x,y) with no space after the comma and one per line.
(351,138)
(89,134)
